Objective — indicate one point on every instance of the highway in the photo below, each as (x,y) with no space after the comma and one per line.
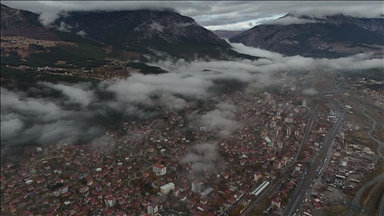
(286,172)
(381,208)
(303,186)
(308,177)
(306,134)
(301,189)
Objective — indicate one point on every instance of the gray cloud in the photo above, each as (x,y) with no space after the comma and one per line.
(241,48)
(173,103)
(10,124)
(156,27)
(214,14)
(222,119)
(79,93)
(45,119)
(139,88)
(64,27)
(82,33)
(48,17)
(202,156)
(274,62)
(288,21)
(309,91)
(44,109)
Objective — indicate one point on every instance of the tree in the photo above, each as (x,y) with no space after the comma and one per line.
(257,212)
(284,200)
(236,210)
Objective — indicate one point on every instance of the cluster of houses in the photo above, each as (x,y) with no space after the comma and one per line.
(143,169)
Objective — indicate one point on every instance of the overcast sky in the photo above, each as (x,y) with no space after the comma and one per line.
(226,15)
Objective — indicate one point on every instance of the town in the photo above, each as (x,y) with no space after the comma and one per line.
(175,164)
(245,152)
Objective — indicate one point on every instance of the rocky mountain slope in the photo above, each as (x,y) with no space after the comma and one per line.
(16,19)
(331,37)
(132,27)
(23,23)
(139,31)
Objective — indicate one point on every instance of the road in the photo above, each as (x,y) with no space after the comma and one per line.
(381,209)
(306,134)
(251,206)
(303,186)
(380,145)
(301,189)
(285,173)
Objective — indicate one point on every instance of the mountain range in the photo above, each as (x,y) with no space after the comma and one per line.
(330,37)
(226,33)
(139,31)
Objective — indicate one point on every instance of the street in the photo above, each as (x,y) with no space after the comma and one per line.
(303,186)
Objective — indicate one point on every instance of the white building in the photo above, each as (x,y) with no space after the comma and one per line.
(153,209)
(110,201)
(269,142)
(165,189)
(196,187)
(288,120)
(304,103)
(159,169)
(63,189)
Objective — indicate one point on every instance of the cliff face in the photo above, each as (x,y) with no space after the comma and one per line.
(331,37)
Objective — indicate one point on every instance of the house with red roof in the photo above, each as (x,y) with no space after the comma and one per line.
(276,202)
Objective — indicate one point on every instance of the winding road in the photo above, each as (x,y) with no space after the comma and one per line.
(380,146)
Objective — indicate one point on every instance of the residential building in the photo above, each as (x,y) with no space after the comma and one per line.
(165,189)
(153,209)
(196,187)
(63,189)
(159,169)
(276,202)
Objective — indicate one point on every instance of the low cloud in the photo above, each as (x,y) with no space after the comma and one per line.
(139,88)
(288,21)
(82,33)
(156,27)
(64,27)
(78,93)
(202,157)
(185,24)
(173,103)
(27,120)
(49,17)
(10,124)
(310,91)
(69,113)
(221,119)
(274,62)
(241,48)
